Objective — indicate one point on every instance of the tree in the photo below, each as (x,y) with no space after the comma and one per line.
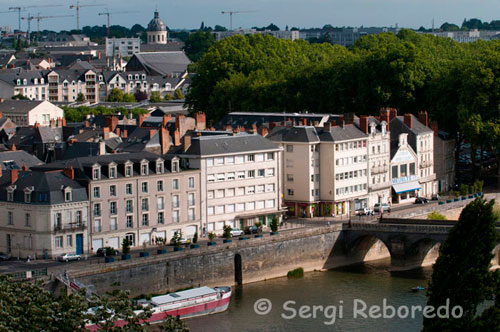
(272,27)
(274,224)
(116,95)
(219,28)
(80,97)
(140,95)
(461,273)
(129,98)
(19,97)
(449,27)
(125,246)
(176,239)
(227,232)
(155,97)
(168,96)
(197,43)
(178,94)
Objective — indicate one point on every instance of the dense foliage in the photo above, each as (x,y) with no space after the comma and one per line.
(79,114)
(461,273)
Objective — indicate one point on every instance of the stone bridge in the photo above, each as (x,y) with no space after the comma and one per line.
(410,243)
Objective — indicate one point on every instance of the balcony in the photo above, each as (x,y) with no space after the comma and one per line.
(74,226)
(425,164)
(379,170)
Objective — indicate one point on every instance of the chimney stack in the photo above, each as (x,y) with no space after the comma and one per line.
(424,118)
(180,124)
(13,147)
(254,129)
(392,113)
(86,124)
(14,173)
(105,133)
(164,140)
(201,121)
(63,122)
(165,120)
(125,133)
(187,142)
(151,133)
(408,120)
(117,131)
(363,123)
(69,172)
(263,132)
(304,121)
(434,127)
(140,120)
(177,138)
(25,167)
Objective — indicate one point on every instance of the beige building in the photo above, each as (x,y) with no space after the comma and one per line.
(27,112)
(157,30)
(239,182)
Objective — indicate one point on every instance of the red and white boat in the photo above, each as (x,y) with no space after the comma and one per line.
(184,304)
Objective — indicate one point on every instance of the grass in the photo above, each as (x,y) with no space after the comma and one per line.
(436,216)
(297,273)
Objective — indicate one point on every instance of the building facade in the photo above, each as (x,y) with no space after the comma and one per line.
(123,47)
(157,30)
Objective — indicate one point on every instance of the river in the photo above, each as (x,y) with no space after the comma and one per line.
(344,288)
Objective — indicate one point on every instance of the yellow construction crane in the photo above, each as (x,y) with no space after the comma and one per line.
(235,12)
(77,6)
(108,14)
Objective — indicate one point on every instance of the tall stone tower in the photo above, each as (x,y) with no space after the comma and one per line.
(157,30)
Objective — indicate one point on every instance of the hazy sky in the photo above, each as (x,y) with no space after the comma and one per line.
(300,13)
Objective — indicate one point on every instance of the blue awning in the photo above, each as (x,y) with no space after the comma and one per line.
(406,186)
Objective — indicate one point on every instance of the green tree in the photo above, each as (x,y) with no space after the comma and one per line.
(80,97)
(168,97)
(178,94)
(115,95)
(129,98)
(198,43)
(155,97)
(19,97)
(461,273)
(227,232)
(125,246)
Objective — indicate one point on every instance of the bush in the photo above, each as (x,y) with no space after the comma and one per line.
(211,236)
(129,98)
(464,189)
(110,251)
(227,232)
(436,216)
(155,97)
(259,226)
(195,237)
(125,247)
(178,94)
(274,224)
(116,95)
(478,185)
(297,273)
(176,239)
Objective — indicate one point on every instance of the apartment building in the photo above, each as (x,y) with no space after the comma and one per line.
(31,84)
(45,214)
(123,47)
(138,196)
(404,173)
(29,113)
(239,181)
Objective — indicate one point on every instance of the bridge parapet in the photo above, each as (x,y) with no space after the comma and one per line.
(397,228)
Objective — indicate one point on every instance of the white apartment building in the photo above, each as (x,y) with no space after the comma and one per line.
(29,113)
(404,175)
(123,47)
(239,182)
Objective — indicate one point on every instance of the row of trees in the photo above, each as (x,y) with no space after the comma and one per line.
(80,113)
(472,24)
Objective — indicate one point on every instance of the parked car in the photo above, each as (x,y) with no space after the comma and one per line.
(384,207)
(68,257)
(421,200)
(4,256)
(236,232)
(251,230)
(102,251)
(364,212)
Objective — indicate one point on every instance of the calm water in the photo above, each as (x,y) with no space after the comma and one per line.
(370,283)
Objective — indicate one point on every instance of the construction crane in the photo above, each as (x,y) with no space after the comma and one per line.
(77,6)
(38,18)
(23,9)
(108,14)
(235,12)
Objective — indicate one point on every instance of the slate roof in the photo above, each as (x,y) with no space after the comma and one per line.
(48,187)
(338,133)
(398,126)
(18,106)
(247,119)
(138,140)
(222,144)
(10,76)
(17,159)
(294,134)
(24,136)
(162,63)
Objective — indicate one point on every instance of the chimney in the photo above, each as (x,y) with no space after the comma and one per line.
(105,133)
(177,138)
(304,121)
(102,148)
(125,133)
(263,132)
(69,172)
(13,147)
(25,167)
(333,123)
(151,133)
(58,122)
(349,118)
(408,120)
(434,127)
(363,123)
(340,119)
(111,122)
(254,129)
(52,123)
(1,100)
(164,140)
(117,131)
(424,118)
(201,121)
(86,124)
(180,124)
(187,142)
(316,123)
(140,120)
(166,118)
(14,173)
(0,112)
(63,122)
(392,113)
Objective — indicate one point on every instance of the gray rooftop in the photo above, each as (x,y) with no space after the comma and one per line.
(18,106)
(17,159)
(294,134)
(223,144)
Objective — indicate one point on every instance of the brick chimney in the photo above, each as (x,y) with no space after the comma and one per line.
(117,131)
(166,118)
(13,147)
(86,124)
(180,124)
(63,122)
(25,167)
(392,113)
(14,173)
(363,123)
(434,127)
(384,115)
(408,120)
(164,140)
(52,123)
(125,133)
(69,172)
(151,133)
(58,122)
(263,132)
(423,117)
(254,128)
(111,122)
(201,121)
(187,142)
(140,120)
(304,121)
(177,138)
(105,133)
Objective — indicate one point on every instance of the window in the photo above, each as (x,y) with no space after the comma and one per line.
(259,157)
(241,175)
(191,199)
(159,168)
(10,195)
(259,205)
(289,163)
(221,177)
(59,242)
(270,156)
(289,148)
(404,170)
(69,240)
(175,166)
(270,203)
(210,194)
(250,206)
(97,210)
(78,218)
(112,208)
(27,220)
(191,182)
(112,190)
(211,178)
(290,192)
(250,190)
(230,176)
(211,211)
(145,219)
(261,173)
(260,189)
(175,216)
(210,161)
(240,159)
(112,172)
(128,188)
(270,188)
(145,204)
(219,193)
(130,221)
(160,203)
(144,187)
(144,169)
(191,215)
(412,169)
(97,192)
(395,172)
(219,161)
(128,170)
(219,209)
(175,201)
(27,197)
(251,174)
(175,184)
(230,160)
(240,207)
(96,173)
(270,172)
(240,191)
(58,221)
(113,224)
(159,186)
(251,158)
(129,206)
(97,226)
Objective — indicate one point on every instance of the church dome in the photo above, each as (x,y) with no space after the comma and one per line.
(156,24)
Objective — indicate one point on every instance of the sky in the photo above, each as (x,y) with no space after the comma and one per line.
(188,14)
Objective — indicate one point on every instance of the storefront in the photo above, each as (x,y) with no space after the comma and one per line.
(404,192)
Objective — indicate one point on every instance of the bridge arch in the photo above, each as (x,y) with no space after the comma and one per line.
(367,248)
(423,252)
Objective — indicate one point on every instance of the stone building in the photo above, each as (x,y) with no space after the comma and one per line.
(157,30)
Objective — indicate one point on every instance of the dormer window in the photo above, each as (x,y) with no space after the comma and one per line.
(27,194)
(10,193)
(68,194)
(130,77)
(159,167)
(42,81)
(112,172)
(18,82)
(100,78)
(168,86)
(136,76)
(144,168)
(143,76)
(25,82)
(35,81)
(175,165)
(96,173)
(128,170)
